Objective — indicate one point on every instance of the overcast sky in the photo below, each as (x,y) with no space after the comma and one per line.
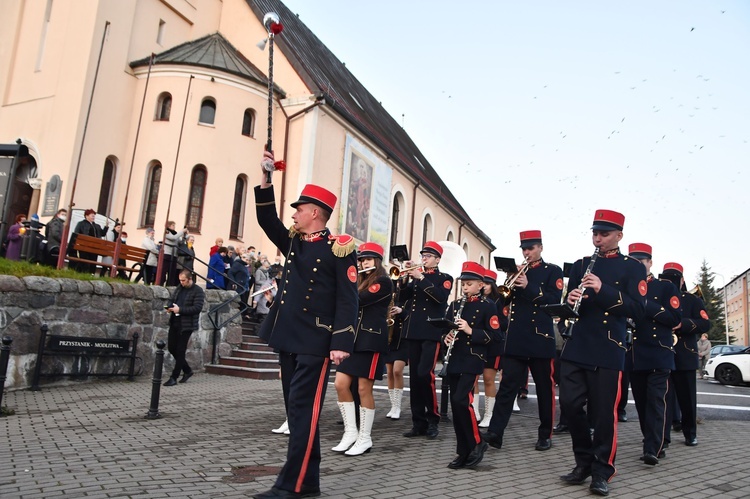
(537,113)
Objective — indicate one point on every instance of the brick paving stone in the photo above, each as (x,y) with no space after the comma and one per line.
(90,439)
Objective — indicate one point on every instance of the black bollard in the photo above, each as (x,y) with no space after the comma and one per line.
(4,356)
(153,411)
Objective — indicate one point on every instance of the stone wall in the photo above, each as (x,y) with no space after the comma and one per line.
(100,309)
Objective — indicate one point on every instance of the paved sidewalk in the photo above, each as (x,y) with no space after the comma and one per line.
(90,439)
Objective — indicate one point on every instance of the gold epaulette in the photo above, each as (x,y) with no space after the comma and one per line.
(292,231)
(343,245)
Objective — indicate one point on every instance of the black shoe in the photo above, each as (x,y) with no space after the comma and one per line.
(457,463)
(186,377)
(577,476)
(650,459)
(662,454)
(275,493)
(170,382)
(677,427)
(543,444)
(415,432)
(476,455)
(665,445)
(523,396)
(691,442)
(493,439)
(599,486)
(432,431)
(622,418)
(560,428)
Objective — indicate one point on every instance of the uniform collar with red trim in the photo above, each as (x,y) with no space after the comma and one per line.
(536,263)
(650,277)
(474,298)
(314,236)
(431,270)
(613,253)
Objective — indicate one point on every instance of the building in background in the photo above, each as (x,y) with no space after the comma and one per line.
(736,296)
(179,135)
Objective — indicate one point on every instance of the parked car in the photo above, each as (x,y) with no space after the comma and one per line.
(721,349)
(730,368)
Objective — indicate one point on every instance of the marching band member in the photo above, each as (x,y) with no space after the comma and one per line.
(396,358)
(592,359)
(478,326)
(529,342)
(694,322)
(311,323)
(370,343)
(425,295)
(495,349)
(651,357)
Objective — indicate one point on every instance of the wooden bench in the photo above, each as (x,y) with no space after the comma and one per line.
(100,247)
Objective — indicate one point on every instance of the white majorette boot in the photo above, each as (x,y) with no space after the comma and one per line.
(515,405)
(489,406)
(397,403)
(348,413)
(364,442)
(390,396)
(475,405)
(284,428)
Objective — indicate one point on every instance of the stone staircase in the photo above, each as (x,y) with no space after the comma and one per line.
(254,359)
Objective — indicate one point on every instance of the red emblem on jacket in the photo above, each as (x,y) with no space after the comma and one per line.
(675,302)
(506,311)
(374,288)
(559,284)
(643,288)
(351,272)
(704,314)
(494,322)
(447,284)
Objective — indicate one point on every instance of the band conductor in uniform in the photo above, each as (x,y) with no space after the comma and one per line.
(311,323)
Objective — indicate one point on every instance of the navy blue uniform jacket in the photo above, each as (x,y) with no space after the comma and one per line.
(652,338)
(372,329)
(530,329)
(694,323)
(315,309)
(424,299)
(470,351)
(599,334)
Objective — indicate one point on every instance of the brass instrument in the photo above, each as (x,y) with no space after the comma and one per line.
(697,291)
(395,272)
(506,289)
(444,369)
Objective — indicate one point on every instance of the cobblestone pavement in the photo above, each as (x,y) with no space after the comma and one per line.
(90,439)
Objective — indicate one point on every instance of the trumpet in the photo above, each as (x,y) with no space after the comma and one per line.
(506,289)
(395,272)
(697,291)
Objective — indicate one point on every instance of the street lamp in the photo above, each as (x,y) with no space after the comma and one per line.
(726,316)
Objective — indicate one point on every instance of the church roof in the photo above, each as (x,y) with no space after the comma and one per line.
(325,75)
(212,52)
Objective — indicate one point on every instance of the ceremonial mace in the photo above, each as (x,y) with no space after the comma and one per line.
(274,27)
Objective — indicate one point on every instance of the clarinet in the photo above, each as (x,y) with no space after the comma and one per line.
(444,369)
(568,332)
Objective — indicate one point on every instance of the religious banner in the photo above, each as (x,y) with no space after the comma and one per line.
(366,194)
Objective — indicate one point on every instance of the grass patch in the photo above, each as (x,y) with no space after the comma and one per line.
(23,269)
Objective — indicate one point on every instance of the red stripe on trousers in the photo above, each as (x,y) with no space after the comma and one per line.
(611,460)
(313,425)
(373,366)
(432,380)
(473,416)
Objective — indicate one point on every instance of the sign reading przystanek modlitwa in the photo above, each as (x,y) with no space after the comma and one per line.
(81,344)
